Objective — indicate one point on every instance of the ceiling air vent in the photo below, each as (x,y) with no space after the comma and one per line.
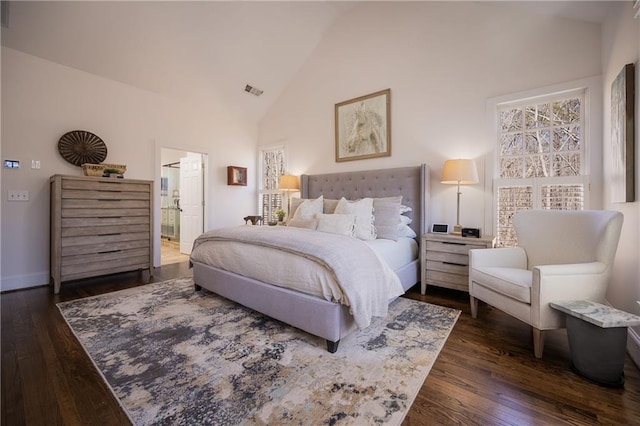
(252,90)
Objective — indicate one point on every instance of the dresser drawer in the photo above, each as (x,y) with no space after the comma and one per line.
(72,222)
(104,204)
(113,255)
(102,213)
(88,231)
(103,248)
(70,185)
(74,272)
(105,240)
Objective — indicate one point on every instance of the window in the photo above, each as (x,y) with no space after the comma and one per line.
(271,168)
(541,158)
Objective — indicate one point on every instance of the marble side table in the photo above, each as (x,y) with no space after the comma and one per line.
(597,339)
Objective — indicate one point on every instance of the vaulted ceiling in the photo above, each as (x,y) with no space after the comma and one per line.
(202,52)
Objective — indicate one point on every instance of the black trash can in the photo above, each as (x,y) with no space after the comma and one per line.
(597,353)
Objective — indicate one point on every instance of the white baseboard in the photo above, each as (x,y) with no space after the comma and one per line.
(633,346)
(24,281)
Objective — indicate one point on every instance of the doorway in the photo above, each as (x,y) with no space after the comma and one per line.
(181,203)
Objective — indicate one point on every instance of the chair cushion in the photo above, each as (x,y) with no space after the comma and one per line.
(511,282)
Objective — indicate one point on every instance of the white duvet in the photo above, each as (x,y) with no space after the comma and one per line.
(337,268)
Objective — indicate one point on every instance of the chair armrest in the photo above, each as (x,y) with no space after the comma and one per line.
(552,283)
(572,269)
(507,257)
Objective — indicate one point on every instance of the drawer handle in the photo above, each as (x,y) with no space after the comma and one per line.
(454,244)
(109,217)
(112,233)
(109,251)
(453,263)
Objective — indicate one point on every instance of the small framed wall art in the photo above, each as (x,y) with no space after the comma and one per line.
(363,127)
(237,176)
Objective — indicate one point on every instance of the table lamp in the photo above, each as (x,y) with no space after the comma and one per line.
(289,183)
(459,172)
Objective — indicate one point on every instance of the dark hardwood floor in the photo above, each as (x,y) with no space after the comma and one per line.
(486,373)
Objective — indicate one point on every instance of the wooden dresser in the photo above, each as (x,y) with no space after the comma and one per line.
(99,226)
(445,259)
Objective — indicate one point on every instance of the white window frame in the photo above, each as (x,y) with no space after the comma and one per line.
(591,111)
(261,190)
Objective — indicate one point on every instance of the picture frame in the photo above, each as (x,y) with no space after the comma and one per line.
(623,136)
(363,127)
(439,228)
(236,176)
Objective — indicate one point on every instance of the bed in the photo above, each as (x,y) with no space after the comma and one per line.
(316,315)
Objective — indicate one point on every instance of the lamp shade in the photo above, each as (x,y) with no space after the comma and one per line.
(459,171)
(289,183)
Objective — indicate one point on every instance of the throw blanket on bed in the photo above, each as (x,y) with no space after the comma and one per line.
(366,281)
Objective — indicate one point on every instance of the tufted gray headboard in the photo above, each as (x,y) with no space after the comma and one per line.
(410,182)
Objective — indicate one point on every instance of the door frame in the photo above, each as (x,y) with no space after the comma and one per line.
(206,189)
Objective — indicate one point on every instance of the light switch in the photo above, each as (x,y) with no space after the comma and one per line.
(18,195)
(35,164)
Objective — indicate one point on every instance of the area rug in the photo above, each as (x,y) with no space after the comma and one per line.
(175,356)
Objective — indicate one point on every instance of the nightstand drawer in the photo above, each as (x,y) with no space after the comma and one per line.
(445,278)
(452,247)
(451,268)
(449,258)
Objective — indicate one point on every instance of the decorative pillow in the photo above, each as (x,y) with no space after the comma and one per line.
(393,200)
(405,209)
(405,220)
(303,223)
(342,224)
(387,219)
(329,205)
(295,202)
(405,231)
(363,210)
(308,209)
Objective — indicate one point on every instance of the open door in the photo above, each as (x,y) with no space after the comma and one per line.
(191,202)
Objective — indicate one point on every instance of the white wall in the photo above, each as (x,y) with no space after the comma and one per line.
(42,100)
(442,61)
(620,46)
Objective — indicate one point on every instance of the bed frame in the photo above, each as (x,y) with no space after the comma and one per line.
(328,320)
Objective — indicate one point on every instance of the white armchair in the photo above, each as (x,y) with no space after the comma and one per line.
(561,255)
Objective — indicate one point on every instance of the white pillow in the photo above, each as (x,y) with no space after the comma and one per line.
(295,202)
(363,210)
(342,224)
(303,223)
(308,209)
(405,220)
(405,209)
(405,231)
(329,205)
(387,219)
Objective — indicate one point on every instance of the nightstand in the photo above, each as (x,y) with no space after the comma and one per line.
(445,259)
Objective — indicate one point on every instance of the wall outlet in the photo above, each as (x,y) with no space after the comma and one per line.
(18,195)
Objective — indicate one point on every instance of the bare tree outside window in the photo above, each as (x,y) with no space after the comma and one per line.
(272,165)
(540,159)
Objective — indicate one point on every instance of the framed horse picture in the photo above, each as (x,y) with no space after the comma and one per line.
(363,127)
